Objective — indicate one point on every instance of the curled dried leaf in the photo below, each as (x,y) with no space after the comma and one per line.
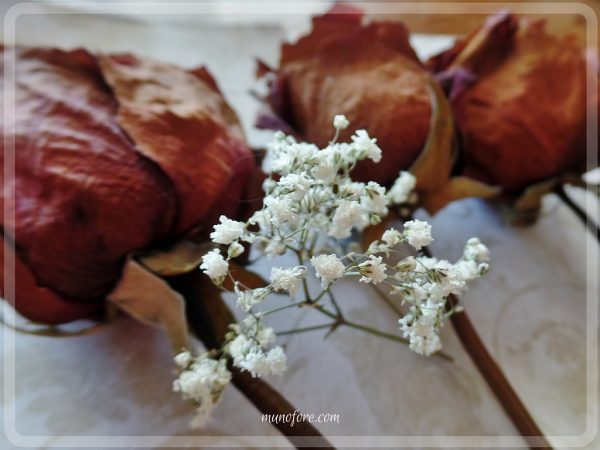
(457,188)
(149,299)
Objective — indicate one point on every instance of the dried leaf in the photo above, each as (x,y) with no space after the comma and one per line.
(526,209)
(433,166)
(208,315)
(455,189)
(181,258)
(149,299)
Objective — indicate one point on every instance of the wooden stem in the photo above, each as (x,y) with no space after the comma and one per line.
(209,319)
(579,212)
(495,378)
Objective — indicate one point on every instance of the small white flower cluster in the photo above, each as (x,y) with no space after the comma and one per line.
(311,198)
(248,349)
(202,379)
(425,283)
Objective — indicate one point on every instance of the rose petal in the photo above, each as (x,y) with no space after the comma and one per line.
(37,303)
(84,196)
(368,73)
(181,121)
(523,119)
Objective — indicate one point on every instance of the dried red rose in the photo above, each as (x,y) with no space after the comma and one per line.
(366,71)
(519,98)
(113,153)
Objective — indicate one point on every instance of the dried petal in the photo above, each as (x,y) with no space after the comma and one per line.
(369,73)
(180,120)
(84,196)
(523,119)
(98,177)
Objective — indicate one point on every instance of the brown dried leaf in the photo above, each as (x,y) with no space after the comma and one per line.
(433,166)
(455,189)
(181,258)
(149,299)
(526,209)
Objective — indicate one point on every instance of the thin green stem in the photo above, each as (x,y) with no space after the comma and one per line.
(387,300)
(335,304)
(284,307)
(370,330)
(305,329)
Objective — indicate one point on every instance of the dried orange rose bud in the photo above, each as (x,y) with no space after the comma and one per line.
(365,71)
(113,154)
(519,98)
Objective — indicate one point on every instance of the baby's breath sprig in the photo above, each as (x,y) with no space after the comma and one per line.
(311,207)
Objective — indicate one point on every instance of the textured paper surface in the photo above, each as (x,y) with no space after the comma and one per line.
(530,309)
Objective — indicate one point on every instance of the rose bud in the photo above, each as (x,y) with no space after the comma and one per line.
(519,99)
(365,71)
(113,154)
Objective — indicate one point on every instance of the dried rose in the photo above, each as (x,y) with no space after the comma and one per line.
(113,153)
(367,72)
(519,99)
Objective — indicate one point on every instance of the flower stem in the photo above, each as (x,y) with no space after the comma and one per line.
(339,321)
(209,318)
(305,329)
(495,378)
(578,211)
(337,308)
(283,307)
(387,300)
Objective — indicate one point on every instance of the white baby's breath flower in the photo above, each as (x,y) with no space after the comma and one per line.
(347,216)
(246,299)
(227,231)
(402,188)
(265,336)
(340,122)
(203,383)
(183,359)
(422,331)
(372,270)
(280,209)
(215,266)
(296,184)
(391,237)
(328,268)
(250,356)
(375,201)
(288,280)
(366,146)
(276,361)
(418,233)
(268,185)
(408,264)
(476,251)
(235,250)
